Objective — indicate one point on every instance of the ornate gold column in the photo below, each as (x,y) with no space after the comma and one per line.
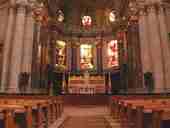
(7,46)
(156,50)
(17,50)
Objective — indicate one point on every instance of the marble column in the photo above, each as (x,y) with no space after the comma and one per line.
(28,44)
(144,42)
(156,50)
(3,22)
(17,49)
(7,46)
(164,44)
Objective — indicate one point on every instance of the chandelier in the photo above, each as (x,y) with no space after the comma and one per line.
(86,21)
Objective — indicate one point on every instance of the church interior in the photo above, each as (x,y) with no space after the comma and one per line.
(85,64)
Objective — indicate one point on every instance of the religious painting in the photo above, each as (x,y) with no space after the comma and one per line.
(86,56)
(112,51)
(60,53)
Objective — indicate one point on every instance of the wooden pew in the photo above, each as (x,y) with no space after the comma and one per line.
(128,108)
(23,104)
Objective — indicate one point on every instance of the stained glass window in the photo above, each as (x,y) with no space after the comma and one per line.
(112,52)
(112,16)
(60,17)
(86,21)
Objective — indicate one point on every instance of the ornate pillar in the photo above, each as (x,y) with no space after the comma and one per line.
(164,44)
(28,44)
(17,50)
(7,46)
(156,50)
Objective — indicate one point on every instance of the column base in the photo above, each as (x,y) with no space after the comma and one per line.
(160,90)
(12,90)
(2,89)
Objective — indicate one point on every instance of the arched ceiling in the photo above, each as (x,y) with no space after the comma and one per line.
(3,1)
(74,9)
(54,5)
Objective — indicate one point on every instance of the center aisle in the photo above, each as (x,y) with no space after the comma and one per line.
(86,116)
(85,122)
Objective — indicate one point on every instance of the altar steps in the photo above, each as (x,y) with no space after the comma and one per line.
(86,99)
(86,122)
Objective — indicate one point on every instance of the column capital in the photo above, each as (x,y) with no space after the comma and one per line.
(151,8)
(160,7)
(12,4)
(142,10)
(21,5)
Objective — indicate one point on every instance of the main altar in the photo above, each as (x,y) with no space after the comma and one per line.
(87,61)
(87,55)
(86,84)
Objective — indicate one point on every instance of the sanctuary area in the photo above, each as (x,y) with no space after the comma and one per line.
(85,64)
